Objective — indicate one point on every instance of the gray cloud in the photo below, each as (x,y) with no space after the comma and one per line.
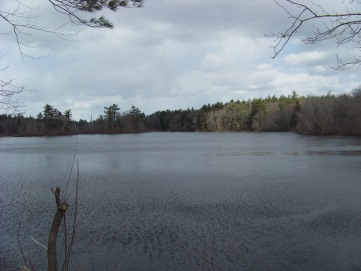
(171,55)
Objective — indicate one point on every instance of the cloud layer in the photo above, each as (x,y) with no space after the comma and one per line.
(170,55)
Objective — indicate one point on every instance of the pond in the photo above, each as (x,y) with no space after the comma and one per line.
(187,201)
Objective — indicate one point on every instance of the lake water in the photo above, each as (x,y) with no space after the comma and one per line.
(188,201)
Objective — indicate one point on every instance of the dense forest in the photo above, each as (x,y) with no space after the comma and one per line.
(317,115)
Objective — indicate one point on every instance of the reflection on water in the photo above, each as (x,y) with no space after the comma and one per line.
(191,201)
(306,153)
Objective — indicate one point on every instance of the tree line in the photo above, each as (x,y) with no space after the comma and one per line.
(318,115)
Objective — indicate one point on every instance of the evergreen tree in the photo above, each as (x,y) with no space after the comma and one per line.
(111,116)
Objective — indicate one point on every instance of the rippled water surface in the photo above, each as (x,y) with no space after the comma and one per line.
(188,201)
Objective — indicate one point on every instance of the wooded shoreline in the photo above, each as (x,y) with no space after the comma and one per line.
(311,115)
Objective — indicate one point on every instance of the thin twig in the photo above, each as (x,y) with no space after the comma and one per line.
(37,242)
(21,249)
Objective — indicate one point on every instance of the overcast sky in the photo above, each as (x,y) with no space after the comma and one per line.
(174,54)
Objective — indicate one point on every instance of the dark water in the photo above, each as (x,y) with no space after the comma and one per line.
(188,201)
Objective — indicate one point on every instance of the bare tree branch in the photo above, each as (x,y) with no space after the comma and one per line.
(8,92)
(21,22)
(341,27)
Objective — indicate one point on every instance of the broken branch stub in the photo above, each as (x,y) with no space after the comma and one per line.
(60,212)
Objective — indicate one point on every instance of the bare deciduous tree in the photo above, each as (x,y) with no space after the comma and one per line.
(343,27)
